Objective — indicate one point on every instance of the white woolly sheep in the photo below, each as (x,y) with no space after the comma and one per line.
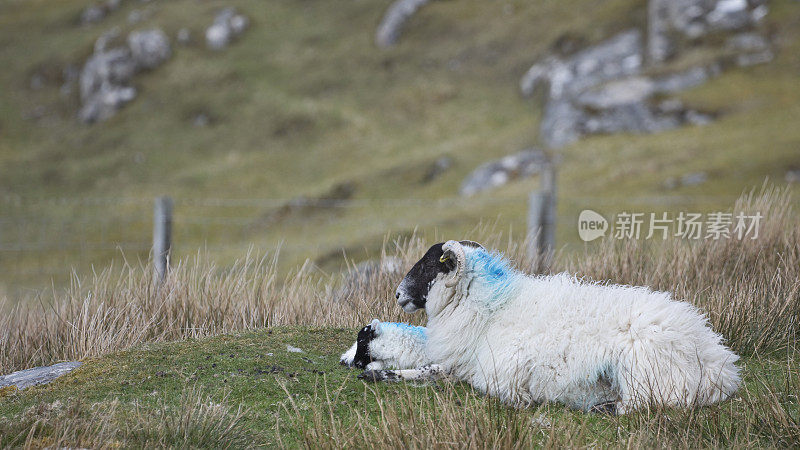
(384,345)
(530,339)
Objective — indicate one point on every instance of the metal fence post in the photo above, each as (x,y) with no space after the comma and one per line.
(542,215)
(162,236)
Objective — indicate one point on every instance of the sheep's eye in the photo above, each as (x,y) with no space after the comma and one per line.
(444,258)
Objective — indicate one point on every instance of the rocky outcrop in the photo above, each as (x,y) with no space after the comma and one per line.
(105,80)
(604,89)
(600,90)
(627,105)
(497,173)
(228,25)
(38,375)
(616,57)
(670,23)
(105,84)
(396,16)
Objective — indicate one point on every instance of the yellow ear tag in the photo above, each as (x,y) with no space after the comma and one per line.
(444,258)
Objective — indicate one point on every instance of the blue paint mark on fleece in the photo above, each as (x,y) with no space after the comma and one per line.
(406,328)
(494,272)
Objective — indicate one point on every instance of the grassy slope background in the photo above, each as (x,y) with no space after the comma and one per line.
(304,102)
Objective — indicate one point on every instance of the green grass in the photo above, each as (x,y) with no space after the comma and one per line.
(304,101)
(284,398)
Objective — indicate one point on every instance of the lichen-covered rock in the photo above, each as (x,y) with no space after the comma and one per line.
(497,173)
(393,20)
(37,375)
(149,48)
(228,25)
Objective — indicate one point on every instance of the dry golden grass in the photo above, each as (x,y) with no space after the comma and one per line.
(750,290)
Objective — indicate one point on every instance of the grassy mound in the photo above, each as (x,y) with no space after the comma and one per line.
(247,390)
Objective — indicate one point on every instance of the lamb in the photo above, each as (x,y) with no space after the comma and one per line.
(383,345)
(533,339)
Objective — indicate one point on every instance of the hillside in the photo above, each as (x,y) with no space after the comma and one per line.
(303,104)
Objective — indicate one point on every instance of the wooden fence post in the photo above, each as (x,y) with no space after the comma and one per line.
(542,215)
(162,236)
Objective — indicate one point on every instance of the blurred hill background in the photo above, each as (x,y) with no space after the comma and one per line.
(283,123)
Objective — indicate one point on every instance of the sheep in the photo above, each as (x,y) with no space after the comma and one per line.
(533,339)
(383,345)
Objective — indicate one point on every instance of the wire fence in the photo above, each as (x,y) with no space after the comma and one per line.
(44,238)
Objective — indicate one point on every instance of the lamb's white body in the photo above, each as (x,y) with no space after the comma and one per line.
(555,338)
(395,346)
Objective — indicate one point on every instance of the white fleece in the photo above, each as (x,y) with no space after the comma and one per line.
(555,338)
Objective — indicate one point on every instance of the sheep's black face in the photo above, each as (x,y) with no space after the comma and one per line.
(413,290)
(365,336)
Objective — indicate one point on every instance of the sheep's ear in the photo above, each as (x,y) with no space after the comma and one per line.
(472,244)
(455,250)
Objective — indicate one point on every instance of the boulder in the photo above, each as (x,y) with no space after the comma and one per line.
(396,16)
(108,69)
(497,173)
(92,14)
(149,48)
(104,84)
(436,168)
(38,375)
(228,25)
